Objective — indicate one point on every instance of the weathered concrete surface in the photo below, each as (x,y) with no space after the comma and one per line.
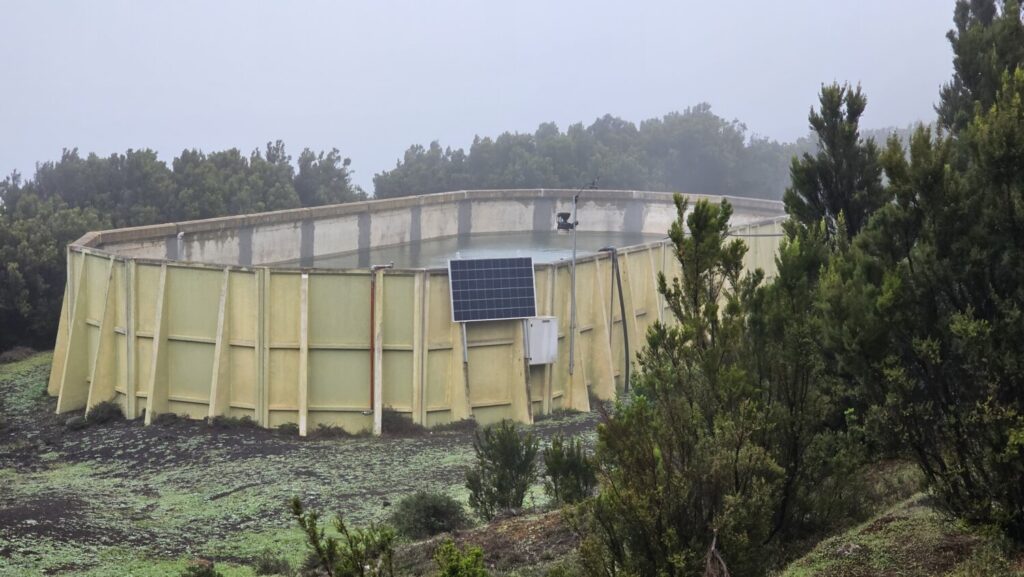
(276,237)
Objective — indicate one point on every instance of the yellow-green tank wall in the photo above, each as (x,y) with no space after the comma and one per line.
(294,346)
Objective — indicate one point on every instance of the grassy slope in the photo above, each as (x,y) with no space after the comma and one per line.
(120,499)
(911,539)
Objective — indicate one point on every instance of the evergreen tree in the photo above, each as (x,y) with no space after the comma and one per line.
(325,179)
(76,194)
(925,311)
(694,150)
(733,433)
(844,179)
(988,40)
(680,460)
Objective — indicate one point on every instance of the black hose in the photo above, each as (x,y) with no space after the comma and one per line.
(622,312)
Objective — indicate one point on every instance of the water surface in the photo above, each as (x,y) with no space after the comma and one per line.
(544,247)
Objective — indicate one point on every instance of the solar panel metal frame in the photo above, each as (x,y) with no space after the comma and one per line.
(451,289)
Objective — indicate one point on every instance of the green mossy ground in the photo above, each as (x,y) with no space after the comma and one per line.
(120,499)
(911,539)
(123,499)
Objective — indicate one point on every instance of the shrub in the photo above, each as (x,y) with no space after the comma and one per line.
(104,413)
(226,422)
(365,552)
(462,425)
(267,563)
(76,423)
(506,465)
(201,568)
(325,431)
(566,568)
(424,514)
(571,473)
(16,354)
(399,424)
(559,413)
(167,419)
(732,444)
(454,562)
(288,429)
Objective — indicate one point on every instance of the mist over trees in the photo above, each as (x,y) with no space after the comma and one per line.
(692,151)
(76,194)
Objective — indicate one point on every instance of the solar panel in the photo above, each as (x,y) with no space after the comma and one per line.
(487,289)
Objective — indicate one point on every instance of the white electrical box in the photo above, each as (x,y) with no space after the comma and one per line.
(542,333)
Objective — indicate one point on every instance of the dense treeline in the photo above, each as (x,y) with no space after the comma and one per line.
(69,197)
(692,151)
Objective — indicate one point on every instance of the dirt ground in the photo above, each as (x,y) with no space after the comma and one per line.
(123,499)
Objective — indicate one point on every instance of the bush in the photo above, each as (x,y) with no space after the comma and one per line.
(16,354)
(399,424)
(454,562)
(462,425)
(288,429)
(104,413)
(424,514)
(201,568)
(365,552)
(571,473)
(559,413)
(76,423)
(226,422)
(566,568)
(506,465)
(325,431)
(167,419)
(267,563)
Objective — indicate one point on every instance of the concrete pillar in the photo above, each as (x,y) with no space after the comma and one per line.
(74,388)
(60,347)
(130,345)
(220,382)
(419,353)
(262,345)
(378,351)
(156,389)
(304,355)
(104,365)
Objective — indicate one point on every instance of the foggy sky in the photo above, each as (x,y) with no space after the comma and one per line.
(371,78)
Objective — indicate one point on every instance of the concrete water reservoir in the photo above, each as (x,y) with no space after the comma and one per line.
(268,315)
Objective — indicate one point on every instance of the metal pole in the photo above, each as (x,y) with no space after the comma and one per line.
(572,314)
(617,277)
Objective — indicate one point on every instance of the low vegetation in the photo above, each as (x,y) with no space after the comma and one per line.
(366,552)
(399,424)
(15,354)
(570,473)
(270,563)
(104,412)
(911,539)
(424,514)
(506,466)
(455,562)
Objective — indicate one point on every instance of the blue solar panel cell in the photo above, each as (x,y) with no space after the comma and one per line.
(492,289)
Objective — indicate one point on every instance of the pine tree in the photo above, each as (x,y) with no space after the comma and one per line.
(844,179)
(988,41)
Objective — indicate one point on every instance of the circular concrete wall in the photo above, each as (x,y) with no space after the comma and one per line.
(231,316)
